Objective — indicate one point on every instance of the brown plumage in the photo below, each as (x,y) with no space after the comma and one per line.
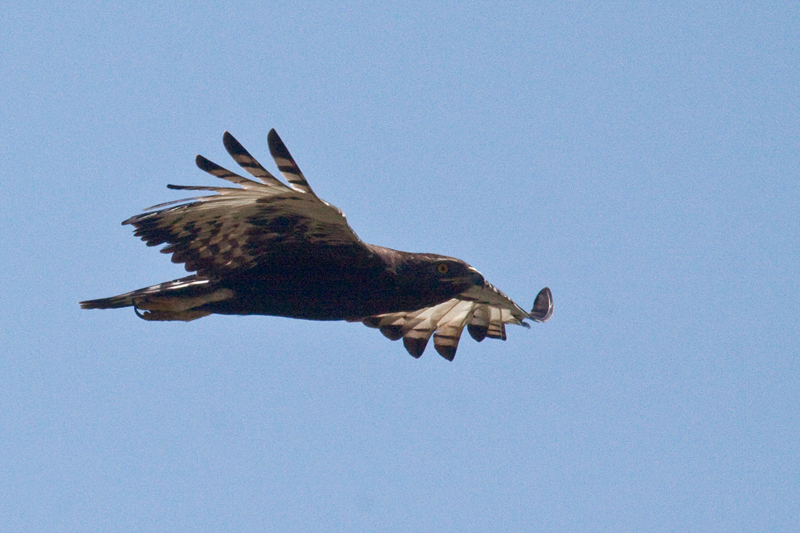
(270,249)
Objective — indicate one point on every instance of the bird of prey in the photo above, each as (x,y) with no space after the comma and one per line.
(265,248)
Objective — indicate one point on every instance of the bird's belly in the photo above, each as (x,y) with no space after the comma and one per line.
(321,298)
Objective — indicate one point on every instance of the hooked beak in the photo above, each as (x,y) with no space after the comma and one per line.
(474,277)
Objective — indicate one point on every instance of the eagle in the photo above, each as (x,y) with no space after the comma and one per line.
(265,248)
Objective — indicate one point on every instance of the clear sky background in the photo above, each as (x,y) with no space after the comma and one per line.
(641,159)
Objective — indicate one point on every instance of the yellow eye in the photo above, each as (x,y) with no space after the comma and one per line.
(442,268)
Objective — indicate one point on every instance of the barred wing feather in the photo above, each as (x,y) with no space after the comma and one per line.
(238,228)
(484,310)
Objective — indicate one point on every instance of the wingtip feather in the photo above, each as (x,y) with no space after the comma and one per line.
(477,331)
(542,306)
(415,346)
(204,164)
(231,144)
(276,146)
(448,352)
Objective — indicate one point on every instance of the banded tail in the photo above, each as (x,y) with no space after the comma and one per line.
(179,299)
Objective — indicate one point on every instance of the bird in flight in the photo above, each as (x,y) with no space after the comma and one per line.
(265,248)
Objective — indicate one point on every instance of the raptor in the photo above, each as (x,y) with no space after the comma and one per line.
(273,248)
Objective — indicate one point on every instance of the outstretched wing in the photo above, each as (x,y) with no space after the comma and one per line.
(484,310)
(237,229)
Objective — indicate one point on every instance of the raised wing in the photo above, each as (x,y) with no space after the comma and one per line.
(237,229)
(485,311)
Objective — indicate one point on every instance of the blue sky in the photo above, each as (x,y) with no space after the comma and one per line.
(641,159)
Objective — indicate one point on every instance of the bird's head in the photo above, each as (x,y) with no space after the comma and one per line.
(437,276)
